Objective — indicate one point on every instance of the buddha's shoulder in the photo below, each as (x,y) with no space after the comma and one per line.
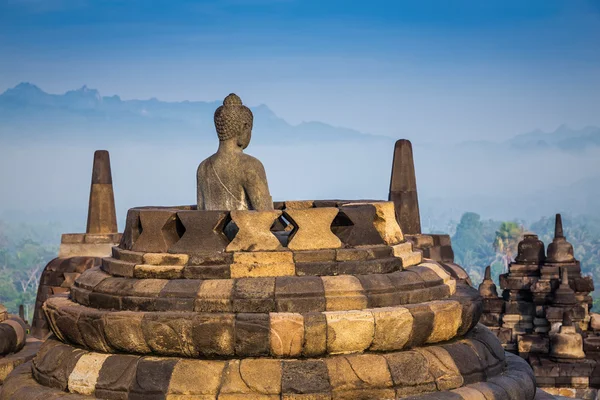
(250,161)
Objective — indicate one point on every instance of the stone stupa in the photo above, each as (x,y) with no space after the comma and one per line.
(314,300)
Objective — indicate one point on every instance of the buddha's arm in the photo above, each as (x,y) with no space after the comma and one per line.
(199,196)
(257,188)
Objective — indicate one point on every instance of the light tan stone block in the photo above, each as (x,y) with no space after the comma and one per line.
(196,377)
(299,204)
(447,317)
(441,272)
(146,271)
(360,371)
(214,296)
(254,231)
(84,376)
(343,292)
(393,326)
(468,393)
(349,331)
(287,334)
(251,378)
(386,223)
(262,270)
(313,229)
(408,257)
(165,259)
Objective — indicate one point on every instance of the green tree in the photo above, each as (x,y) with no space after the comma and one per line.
(508,236)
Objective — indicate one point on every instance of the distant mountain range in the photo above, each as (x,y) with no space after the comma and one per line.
(563,138)
(26,111)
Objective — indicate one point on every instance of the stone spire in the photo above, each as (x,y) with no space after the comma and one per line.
(564,295)
(560,250)
(487,289)
(558,227)
(403,188)
(102,216)
(567,343)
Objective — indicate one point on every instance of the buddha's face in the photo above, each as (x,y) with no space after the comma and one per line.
(243,139)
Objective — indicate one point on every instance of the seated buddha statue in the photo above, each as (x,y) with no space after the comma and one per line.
(230,179)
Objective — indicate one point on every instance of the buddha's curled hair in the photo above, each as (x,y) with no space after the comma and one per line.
(231,117)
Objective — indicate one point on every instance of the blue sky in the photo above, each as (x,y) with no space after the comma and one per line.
(427,70)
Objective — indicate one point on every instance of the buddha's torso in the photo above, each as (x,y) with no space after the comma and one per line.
(221,182)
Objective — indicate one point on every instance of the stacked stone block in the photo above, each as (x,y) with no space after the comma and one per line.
(544,316)
(340,308)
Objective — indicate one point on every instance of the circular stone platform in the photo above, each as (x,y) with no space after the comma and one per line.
(316,300)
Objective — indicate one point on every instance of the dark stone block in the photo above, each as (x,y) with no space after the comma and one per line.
(66,322)
(430,277)
(299,294)
(252,335)
(214,334)
(379,290)
(116,377)
(354,225)
(254,295)
(304,376)
(203,229)
(314,256)
(181,288)
(221,271)
(118,286)
(8,339)
(377,252)
(159,231)
(317,268)
(422,324)
(135,303)
(169,333)
(105,301)
(132,230)
(406,280)
(91,325)
(152,379)
(467,362)
(53,367)
(315,334)
(210,258)
(173,304)
(409,369)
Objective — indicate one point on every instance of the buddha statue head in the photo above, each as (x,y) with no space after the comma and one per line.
(233,121)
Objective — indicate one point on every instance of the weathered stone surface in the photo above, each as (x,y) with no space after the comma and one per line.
(102,215)
(158,231)
(386,224)
(404,252)
(403,188)
(169,336)
(352,373)
(230,179)
(313,229)
(118,267)
(123,331)
(349,331)
(145,271)
(410,373)
(304,377)
(204,232)
(214,334)
(254,295)
(91,278)
(181,288)
(361,227)
(442,367)
(299,294)
(254,231)
(423,323)
(165,259)
(85,374)
(260,264)
(196,377)
(287,334)
(313,256)
(251,378)
(215,295)
(379,290)
(343,293)
(393,327)
(446,320)
(251,334)
(152,378)
(116,376)
(315,334)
